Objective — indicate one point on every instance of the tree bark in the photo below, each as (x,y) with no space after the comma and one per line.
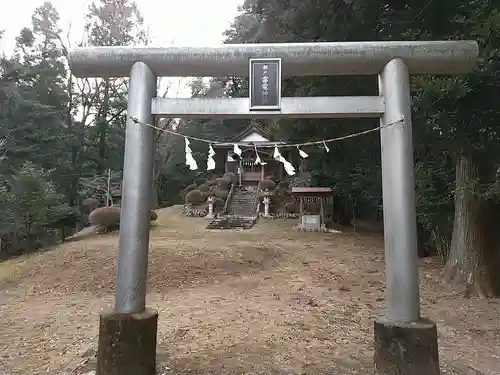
(474,245)
(154,189)
(102,122)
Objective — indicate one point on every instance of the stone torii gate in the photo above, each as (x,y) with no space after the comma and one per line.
(405,343)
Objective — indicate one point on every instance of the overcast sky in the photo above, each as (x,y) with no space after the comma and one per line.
(181,22)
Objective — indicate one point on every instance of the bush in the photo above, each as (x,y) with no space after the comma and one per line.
(284,185)
(195,197)
(221,193)
(267,184)
(283,193)
(199,181)
(223,182)
(212,182)
(219,203)
(90,203)
(108,218)
(182,195)
(204,188)
(190,188)
(231,176)
(263,194)
(31,203)
(291,208)
(304,180)
(282,196)
(154,216)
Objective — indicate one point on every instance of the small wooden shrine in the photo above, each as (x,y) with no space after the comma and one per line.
(245,167)
(312,202)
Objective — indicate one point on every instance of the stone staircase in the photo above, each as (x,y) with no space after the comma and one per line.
(241,211)
(242,203)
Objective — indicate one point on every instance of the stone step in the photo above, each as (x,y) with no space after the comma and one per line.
(242,203)
(232,222)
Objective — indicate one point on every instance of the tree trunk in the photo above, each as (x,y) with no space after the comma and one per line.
(154,196)
(154,188)
(472,259)
(74,179)
(102,123)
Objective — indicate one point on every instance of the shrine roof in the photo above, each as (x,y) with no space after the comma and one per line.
(249,131)
(252,128)
(267,144)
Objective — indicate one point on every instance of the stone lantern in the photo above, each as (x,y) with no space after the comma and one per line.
(266,200)
(210,200)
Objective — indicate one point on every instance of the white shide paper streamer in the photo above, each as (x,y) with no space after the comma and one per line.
(257,158)
(302,154)
(210,159)
(189,156)
(289,169)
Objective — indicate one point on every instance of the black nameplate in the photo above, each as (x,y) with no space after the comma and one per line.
(265,84)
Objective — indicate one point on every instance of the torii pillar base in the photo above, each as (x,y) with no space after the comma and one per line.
(127,343)
(406,348)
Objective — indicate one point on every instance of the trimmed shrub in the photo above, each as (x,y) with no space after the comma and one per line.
(199,181)
(223,182)
(108,218)
(212,182)
(190,188)
(219,203)
(282,195)
(263,194)
(284,185)
(90,203)
(182,194)
(231,176)
(153,216)
(303,180)
(195,197)
(291,208)
(221,194)
(267,184)
(204,188)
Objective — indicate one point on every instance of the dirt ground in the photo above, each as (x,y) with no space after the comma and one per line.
(265,300)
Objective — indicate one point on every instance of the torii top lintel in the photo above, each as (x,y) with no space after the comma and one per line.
(298,59)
